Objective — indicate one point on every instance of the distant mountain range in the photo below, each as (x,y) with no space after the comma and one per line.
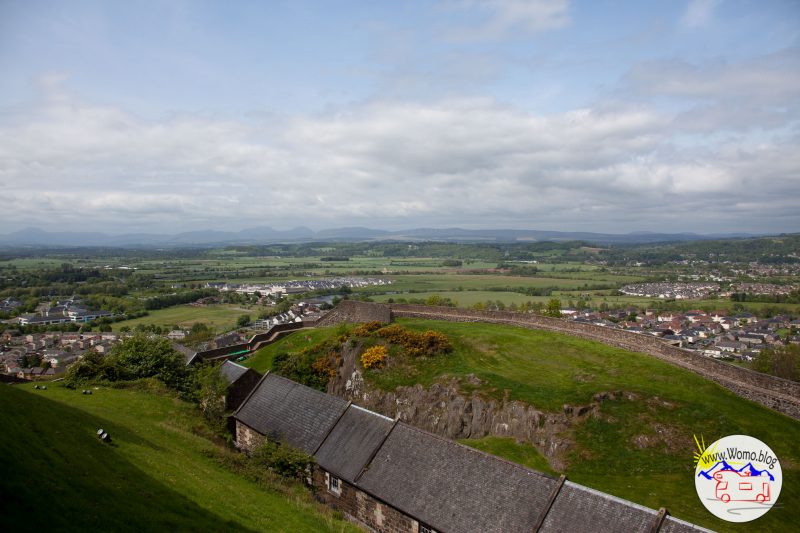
(268,235)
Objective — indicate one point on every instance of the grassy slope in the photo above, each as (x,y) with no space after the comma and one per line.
(548,370)
(261,360)
(58,476)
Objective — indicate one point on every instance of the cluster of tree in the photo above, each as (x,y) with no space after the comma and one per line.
(791,298)
(764,250)
(136,357)
(780,361)
(33,360)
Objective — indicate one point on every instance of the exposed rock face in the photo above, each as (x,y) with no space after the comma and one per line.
(775,393)
(443,410)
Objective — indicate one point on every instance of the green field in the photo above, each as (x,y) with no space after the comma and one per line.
(220,317)
(155,476)
(467,298)
(430,282)
(664,407)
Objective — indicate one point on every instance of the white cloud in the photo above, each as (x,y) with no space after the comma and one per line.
(469,162)
(699,13)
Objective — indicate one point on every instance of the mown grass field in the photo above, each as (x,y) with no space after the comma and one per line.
(155,476)
(640,449)
(220,317)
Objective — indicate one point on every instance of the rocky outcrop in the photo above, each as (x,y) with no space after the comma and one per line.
(444,410)
(775,393)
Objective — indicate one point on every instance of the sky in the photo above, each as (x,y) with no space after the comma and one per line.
(607,116)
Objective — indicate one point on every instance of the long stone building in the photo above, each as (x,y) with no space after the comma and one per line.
(392,477)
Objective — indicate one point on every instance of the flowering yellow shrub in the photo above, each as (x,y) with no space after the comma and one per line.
(374,357)
(363,330)
(323,366)
(417,344)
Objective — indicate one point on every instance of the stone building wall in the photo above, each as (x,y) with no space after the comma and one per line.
(361,507)
(354,312)
(247,438)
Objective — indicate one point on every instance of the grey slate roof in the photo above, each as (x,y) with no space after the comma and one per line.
(674,525)
(579,508)
(284,410)
(187,353)
(232,371)
(351,443)
(454,488)
(447,485)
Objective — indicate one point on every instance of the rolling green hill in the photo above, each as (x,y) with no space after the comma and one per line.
(640,445)
(156,475)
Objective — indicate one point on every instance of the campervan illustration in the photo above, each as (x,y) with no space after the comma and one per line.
(738,486)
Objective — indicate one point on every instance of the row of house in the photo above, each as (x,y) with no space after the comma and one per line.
(671,290)
(715,334)
(392,477)
(298,286)
(58,350)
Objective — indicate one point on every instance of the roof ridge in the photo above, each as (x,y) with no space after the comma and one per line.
(330,429)
(375,452)
(550,501)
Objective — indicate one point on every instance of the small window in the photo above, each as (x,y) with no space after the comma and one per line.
(745,486)
(335,485)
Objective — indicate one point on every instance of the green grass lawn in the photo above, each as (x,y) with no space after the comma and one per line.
(220,317)
(155,476)
(640,448)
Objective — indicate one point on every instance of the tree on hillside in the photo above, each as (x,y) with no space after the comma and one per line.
(143,357)
(243,321)
(782,361)
(212,387)
(553,308)
(90,367)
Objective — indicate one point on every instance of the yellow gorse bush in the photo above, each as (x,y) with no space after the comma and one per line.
(374,357)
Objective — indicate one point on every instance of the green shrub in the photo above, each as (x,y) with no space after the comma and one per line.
(312,366)
(282,459)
